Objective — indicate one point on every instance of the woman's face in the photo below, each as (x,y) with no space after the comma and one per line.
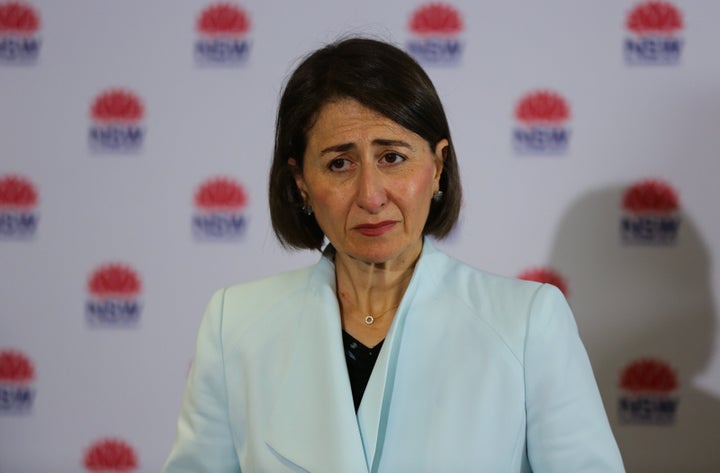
(369,182)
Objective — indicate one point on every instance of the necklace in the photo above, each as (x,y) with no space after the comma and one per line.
(370,319)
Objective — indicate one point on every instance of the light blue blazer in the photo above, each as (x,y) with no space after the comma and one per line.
(478,373)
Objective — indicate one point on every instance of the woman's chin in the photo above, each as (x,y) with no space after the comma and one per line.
(386,254)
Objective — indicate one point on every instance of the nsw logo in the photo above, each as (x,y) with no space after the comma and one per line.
(222,30)
(117,122)
(219,210)
(650,213)
(18,207)
(541,127)
(435,34)
(653,34)
(19,40)
(648,393)
(16,377)
(110,454)
(114,296)
(546,275)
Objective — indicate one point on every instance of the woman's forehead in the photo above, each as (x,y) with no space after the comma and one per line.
(348,121)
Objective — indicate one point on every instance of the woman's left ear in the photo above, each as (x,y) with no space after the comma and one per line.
(441,151)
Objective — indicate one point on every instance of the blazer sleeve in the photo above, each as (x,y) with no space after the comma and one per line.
(204,441)
(567,428)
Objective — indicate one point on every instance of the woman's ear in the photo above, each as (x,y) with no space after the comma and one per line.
(299,180)
(441,151)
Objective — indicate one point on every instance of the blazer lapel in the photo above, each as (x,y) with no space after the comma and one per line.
(376,402)
(313,423)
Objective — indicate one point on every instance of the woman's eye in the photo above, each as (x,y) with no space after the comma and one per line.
(339,164)
(393,158)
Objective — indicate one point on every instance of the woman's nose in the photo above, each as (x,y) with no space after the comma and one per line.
(371,195)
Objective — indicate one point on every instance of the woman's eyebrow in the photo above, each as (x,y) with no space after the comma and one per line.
(341,148)
(383,142)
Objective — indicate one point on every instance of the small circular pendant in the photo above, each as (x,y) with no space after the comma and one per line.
(369,319)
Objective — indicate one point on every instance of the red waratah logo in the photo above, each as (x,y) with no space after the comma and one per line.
(541,128)
(110,455)
(117,106)
(114,280)
(546,275)
(436,19)
(15,368)
(223,36)
(435,30)
(219,203)
(18,18)
(648,376)
(220,194)
(223,19)
(17,193)
(655,18)
(542,107)
(650,196)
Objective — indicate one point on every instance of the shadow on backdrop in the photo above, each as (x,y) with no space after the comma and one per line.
(639,302)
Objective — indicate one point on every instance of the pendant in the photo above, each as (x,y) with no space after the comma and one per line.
(369,319)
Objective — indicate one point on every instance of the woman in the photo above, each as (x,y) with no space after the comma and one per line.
(450,369)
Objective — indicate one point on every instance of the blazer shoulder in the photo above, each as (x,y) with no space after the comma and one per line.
(479,288)
(503,303)
(261,302)
(281,284)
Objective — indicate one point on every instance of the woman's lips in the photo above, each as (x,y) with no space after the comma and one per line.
(375,229)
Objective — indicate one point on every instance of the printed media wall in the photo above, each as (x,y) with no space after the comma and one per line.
(136,140)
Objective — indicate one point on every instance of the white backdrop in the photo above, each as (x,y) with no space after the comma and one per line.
(133,176)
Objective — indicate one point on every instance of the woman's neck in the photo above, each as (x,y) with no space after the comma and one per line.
(369,294)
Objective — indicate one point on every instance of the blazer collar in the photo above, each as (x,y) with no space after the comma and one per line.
(377,398)
(313,423)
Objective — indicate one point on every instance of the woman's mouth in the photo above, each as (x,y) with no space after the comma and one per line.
(375,229)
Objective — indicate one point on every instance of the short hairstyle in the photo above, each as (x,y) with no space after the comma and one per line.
(381,77)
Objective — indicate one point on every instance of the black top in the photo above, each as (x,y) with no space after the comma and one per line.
(360,361)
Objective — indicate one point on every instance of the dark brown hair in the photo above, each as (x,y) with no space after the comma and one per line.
(384,79)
